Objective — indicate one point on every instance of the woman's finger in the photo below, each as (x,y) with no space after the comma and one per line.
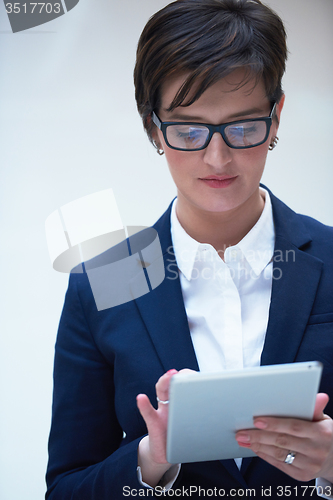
(152,449)
(162,388)
(156,419)
(310,441)
(146,410)
(321,402)
(298,471)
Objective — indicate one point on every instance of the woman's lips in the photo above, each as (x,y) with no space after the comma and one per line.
(218,182)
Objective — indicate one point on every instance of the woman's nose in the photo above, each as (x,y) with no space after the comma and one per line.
(217,153)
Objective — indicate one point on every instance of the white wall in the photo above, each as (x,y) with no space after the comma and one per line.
(69,127)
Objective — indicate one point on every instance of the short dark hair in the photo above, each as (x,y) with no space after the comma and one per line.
(207,39)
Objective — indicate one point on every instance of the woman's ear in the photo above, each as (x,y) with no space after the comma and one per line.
(275,123)
(156,140)
(279,107)
(153,132)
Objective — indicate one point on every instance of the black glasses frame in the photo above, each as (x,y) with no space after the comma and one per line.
(215,128)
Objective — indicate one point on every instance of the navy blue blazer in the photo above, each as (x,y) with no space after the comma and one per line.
(104,359)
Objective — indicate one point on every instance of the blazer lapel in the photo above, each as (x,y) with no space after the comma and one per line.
(295,280)
(163,310)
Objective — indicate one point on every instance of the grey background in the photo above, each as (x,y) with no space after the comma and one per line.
(68,128)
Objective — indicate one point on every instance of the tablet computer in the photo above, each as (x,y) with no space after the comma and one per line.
(206,409)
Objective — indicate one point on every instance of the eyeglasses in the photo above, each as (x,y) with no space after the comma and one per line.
(188,136)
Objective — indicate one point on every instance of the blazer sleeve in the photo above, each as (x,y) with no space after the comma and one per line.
(87,460)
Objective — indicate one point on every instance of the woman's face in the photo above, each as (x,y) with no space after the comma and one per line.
(237,172)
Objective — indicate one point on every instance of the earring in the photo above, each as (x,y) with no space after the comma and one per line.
(159,151)
(273,143)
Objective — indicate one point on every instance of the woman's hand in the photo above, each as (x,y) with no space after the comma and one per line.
(312,443)
(152,448)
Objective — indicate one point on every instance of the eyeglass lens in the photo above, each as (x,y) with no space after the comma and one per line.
(240,135)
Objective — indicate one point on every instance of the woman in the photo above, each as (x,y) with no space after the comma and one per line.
(208,87)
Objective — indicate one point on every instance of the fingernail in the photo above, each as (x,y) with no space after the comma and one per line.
(244,445)
(260,424)
(243,437)
(172,371)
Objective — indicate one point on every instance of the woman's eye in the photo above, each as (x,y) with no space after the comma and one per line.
(250,130)
(187,136)
(191,136)
(243,130)
(183,134)
(236,131)
(189,133)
